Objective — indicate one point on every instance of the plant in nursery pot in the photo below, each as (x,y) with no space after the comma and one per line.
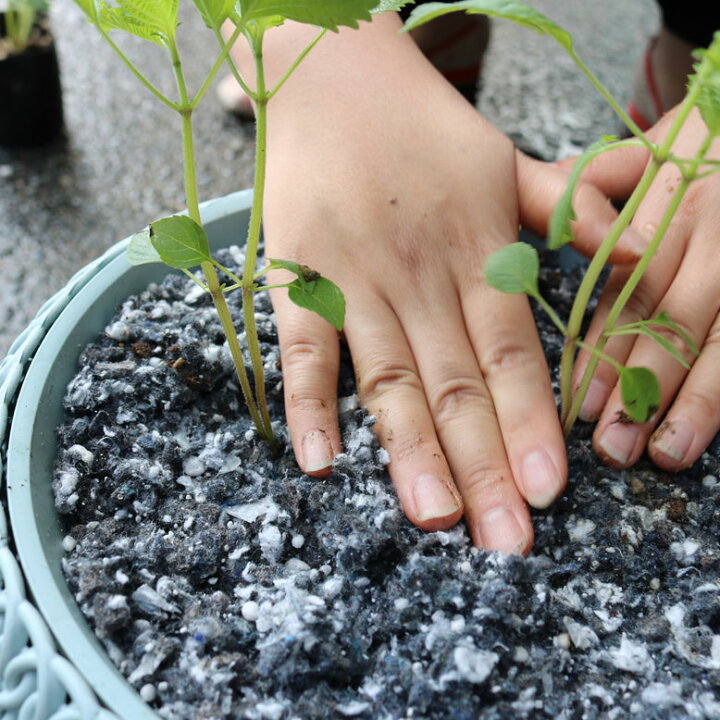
(31,110)
(198,563)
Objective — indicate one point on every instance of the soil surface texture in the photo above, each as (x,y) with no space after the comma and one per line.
(224,583)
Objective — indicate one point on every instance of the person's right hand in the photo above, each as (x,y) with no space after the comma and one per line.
(385,180)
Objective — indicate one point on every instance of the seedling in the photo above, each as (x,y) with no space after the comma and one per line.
(20,17)
(514,268)
(180,241)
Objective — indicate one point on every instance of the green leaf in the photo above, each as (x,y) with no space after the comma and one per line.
(642,327)
(709,106)
(559,230)
(514,269)
(640,393)
(154,20)
(663,318)
(659,339)
(180,242)
(709,70)
(324,13)
(214,12)
(313,292)
(513,10)
(140,251)
(90,8)
(388,5)
(322,297)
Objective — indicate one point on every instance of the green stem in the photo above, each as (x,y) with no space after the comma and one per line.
(228,272)
(297,62)
(226,47)
(590,279)
(595,268)
(137,73)
(254,229)
(545,305)
(619,110)
(600,355)
(632,283)
(213,284)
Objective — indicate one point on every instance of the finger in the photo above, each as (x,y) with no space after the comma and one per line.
(391,390)
(615,172)
(309,349)
(692,302)
(540,187)
(694,419)
(512,363)
(464,416)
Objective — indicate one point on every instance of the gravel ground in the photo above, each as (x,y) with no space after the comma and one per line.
(226,584)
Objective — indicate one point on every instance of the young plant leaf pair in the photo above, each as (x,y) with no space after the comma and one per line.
(182,244)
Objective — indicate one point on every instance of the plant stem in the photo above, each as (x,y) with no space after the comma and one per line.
(254,228)
(226,47)
(213,284)
(137,73)
(297,62)
(571,405)
(590,279)
(545,305)
(632,282)
(619,111)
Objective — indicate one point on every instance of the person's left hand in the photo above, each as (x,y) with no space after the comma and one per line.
(683,279)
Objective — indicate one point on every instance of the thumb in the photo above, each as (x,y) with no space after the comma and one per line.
(541,185)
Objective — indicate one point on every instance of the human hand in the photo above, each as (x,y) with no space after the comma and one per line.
(684,280)
(385,180)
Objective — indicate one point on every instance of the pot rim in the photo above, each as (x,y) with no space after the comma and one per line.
(61,333)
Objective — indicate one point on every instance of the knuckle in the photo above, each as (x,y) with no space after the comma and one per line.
(407,446)
(485,482)
(701,404)
(304,353)
(508,357)
(454,396)
(639,305)
(384,377)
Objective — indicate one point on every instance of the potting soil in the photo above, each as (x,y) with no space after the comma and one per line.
(224,583)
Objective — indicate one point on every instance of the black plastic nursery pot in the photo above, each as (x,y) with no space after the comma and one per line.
(31,111)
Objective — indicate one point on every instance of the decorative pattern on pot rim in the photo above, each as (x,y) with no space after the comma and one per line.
(35,680)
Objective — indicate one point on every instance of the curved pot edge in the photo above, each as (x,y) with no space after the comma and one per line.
(32,441)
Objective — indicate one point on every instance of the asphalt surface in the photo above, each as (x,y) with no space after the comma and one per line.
(118,166)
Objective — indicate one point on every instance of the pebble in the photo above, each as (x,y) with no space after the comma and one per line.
(250,611)
(148,692)
(69,543)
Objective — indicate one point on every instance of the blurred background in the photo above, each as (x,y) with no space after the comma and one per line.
(118,165)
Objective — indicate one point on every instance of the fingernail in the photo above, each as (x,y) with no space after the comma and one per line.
(594,401)
(500,530)
(618,441)
(540,478)
(634,241)
(674,439)
(317,451)
(433,498)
